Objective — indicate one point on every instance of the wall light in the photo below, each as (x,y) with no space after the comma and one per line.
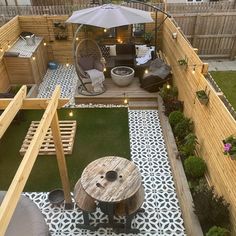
(44,44)
(168,86)
(67,62)
(77,39)
(174,35)
(146,71)
(104,30)
(33,57)
(105,69)
(125,99)
(194,69)
(8,44)
(1,48)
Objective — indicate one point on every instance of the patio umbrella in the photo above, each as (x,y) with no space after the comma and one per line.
(109,16)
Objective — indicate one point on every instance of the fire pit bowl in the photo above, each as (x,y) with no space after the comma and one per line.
(122,75)
(56,197)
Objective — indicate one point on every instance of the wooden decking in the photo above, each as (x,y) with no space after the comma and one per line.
(137,97)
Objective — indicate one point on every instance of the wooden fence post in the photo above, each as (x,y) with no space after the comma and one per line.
(196,28)
(233,51)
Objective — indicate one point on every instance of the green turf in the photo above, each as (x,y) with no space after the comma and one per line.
(226,80)
(100,132)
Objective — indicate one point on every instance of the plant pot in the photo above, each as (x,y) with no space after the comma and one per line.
(202,97)
(203,101)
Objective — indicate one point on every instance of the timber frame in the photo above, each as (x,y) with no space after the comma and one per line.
(49,118)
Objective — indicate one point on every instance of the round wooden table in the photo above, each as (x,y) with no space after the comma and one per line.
(115,183)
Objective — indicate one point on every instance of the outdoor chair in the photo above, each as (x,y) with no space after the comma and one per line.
(90,66)
(158,74)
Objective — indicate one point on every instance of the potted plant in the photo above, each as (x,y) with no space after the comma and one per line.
(230,147)
(182,62)
(202,97)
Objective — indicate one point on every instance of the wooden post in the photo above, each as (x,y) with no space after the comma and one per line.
(11,110)
(17,185)
(233,51)
(61,159)
(196,28)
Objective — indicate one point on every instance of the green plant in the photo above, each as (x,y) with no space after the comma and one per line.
(195,167)
(182,62)
(189,145)
(217,231)
(183,128)
(148,37)
(173,105)
(230,145)
(202,94)
(210,208)
(175,117)
(168,92)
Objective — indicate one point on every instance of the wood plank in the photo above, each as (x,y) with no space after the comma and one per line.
(13,194)
(57,138)
(10,112)
(67,135)
(34,103)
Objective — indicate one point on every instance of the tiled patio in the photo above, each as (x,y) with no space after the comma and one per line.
(162,214)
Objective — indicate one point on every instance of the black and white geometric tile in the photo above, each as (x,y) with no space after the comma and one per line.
(162,216)
(64,76)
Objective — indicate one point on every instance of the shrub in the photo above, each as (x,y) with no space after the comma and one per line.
(175,117)
(217,231)
(195,167)
(168,93)
(189,145)
(183,128)
(210,208)
(173,105)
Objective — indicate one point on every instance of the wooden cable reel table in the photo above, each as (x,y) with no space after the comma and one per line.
(115,183)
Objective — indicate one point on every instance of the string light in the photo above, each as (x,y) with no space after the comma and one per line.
(146,71)
(168,86)
(125,99)
(71,113)
(105,30)
(77,39)
(44,44)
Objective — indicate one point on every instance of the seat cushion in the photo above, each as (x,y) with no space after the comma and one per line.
(87,63)
(122,49)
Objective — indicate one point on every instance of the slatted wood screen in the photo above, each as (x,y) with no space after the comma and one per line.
(213,122)
(67,130)
(217,37)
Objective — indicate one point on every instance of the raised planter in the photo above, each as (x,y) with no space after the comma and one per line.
(202,97)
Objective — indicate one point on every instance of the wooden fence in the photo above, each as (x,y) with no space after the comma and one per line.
(212,122)
(214,34)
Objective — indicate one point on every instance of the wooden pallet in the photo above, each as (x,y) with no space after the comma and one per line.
(67,129)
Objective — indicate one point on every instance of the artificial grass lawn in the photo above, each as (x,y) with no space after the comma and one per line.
(226,80)
(100,132)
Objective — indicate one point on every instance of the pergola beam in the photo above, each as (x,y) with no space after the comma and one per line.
(11,110)
(33,103)
(13,194)
(61,159)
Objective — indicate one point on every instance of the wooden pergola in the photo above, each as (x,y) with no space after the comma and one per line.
(49,119)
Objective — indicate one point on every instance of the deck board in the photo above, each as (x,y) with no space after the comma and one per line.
(115,94)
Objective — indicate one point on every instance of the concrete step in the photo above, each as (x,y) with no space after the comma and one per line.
(142,105)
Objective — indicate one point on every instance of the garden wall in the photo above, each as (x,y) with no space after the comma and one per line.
(213,122)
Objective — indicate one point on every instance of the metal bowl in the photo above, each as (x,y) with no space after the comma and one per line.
(56,196)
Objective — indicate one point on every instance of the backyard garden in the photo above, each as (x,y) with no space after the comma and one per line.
(100,132)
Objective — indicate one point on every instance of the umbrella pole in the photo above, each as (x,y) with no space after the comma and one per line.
(75,58)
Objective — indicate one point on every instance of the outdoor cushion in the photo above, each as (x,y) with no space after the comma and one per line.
(105,51)
(87,63)
(27,219)
(122,49)
(98,65)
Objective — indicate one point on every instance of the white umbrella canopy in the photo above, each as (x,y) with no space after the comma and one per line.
(109,16)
